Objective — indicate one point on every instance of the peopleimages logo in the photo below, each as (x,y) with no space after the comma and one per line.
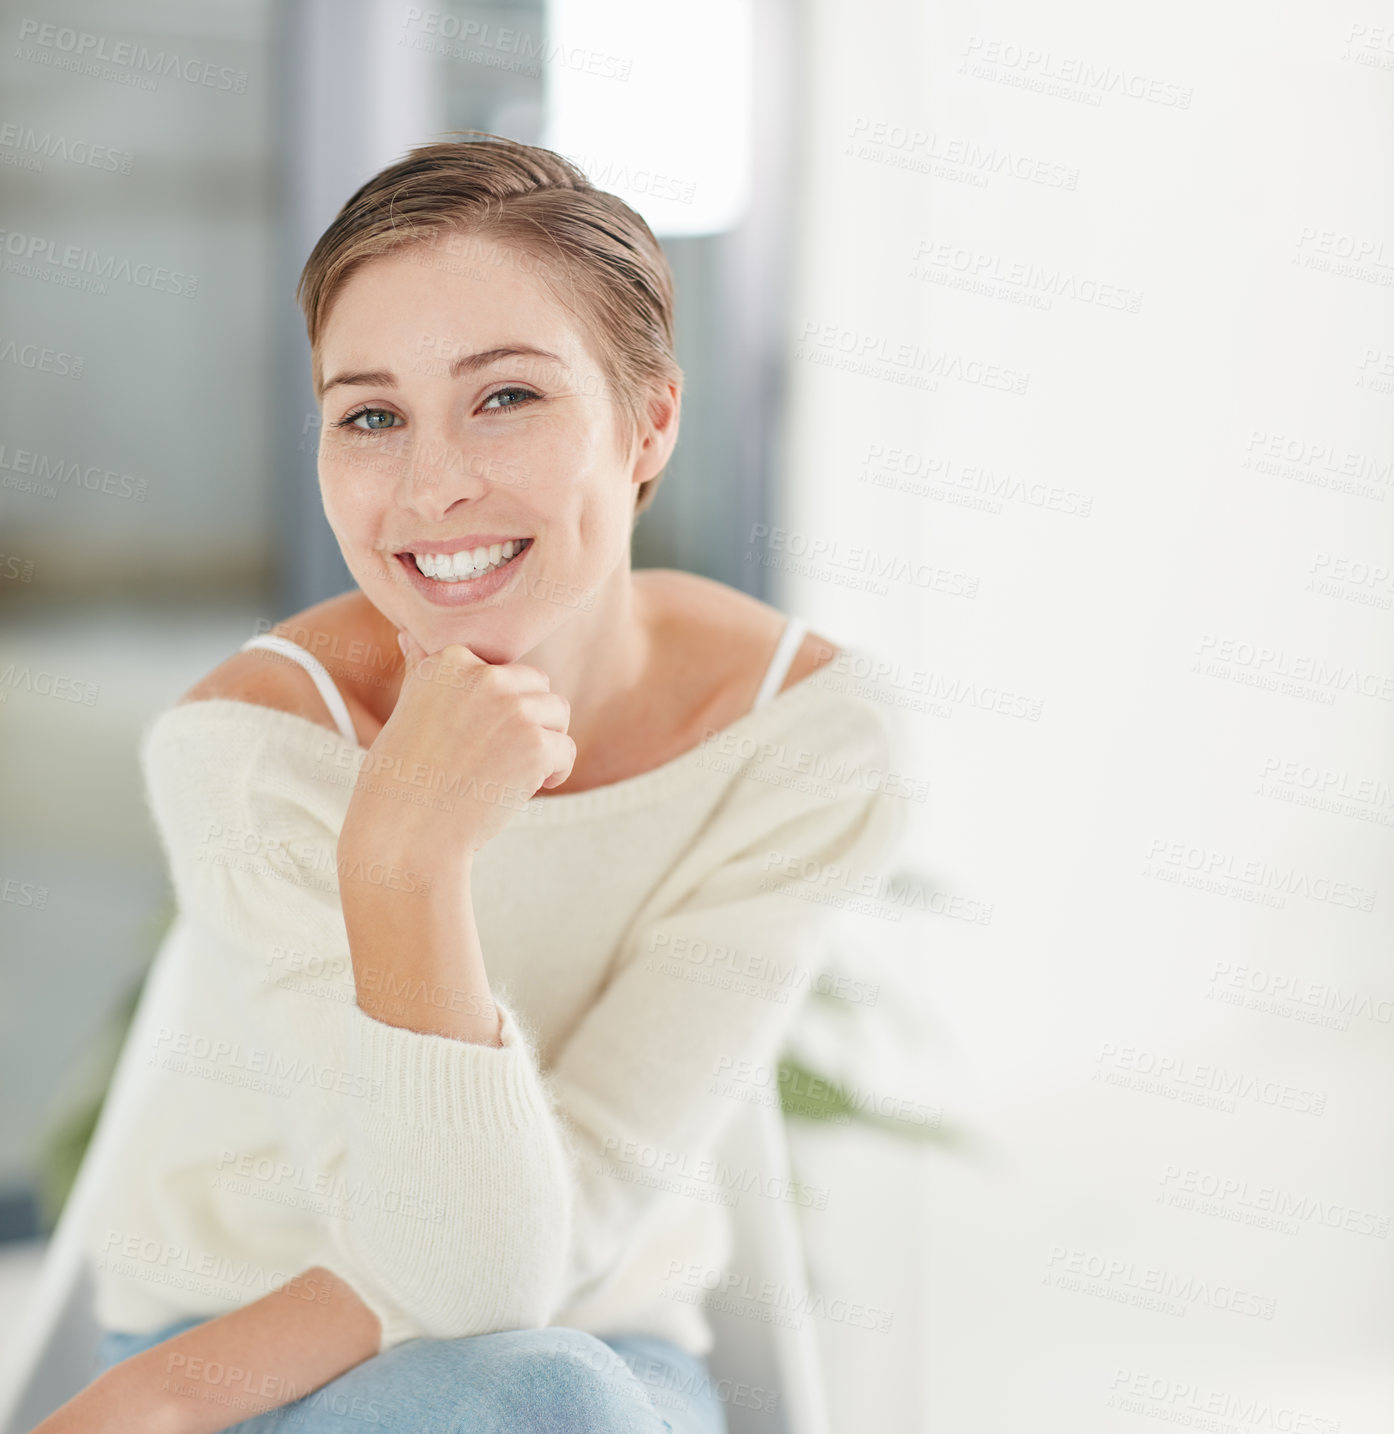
(41,473)
(163,1262)
(1204,1084)
(837,773)
(1252,878)
(1067,75)
(1275,991)
(1128,1282)
(20,677)
(864,352)
(771,1301)
(34,256)
(28,148)
(184,1050)
(1266,1200)
(1196,1406)
(917,148)
(941,259)
(824,556)
(63,48)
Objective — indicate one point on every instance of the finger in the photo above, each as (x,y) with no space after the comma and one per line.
(446,664)
(561,752)
(547,709)
(522,678)
(422,666)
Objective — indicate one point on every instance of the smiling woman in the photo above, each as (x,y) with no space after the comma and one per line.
(427,1033)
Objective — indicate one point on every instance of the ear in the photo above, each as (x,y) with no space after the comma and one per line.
(658,432)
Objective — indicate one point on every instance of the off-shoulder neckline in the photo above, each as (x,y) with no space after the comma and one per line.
(624,792)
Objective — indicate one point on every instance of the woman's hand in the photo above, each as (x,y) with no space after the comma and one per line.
(269,1353)
(468,743)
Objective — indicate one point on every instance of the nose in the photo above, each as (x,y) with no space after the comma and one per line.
(436,473)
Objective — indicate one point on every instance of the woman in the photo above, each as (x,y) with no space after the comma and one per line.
(452,857)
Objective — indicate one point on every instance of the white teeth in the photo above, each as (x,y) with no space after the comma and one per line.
(457,567)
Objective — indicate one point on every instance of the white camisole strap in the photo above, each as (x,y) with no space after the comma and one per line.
(333,699)
(778,669)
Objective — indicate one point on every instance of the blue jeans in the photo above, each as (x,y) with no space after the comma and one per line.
(526,1381)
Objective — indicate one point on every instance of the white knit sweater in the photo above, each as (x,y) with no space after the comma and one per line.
(641,939)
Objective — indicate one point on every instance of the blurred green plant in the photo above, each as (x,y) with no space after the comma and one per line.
(808,1094)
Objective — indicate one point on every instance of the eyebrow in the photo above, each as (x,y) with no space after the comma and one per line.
(468,363)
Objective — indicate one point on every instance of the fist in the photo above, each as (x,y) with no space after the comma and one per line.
(468,743)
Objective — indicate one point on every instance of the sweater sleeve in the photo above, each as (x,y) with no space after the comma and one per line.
(455,1143)
(639,1084)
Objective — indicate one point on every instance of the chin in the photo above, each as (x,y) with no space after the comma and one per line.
(494,637)
(493,653)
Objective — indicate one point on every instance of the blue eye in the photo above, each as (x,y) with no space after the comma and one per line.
(350,420)
(520,396)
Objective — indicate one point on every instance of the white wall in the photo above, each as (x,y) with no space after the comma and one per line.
(1179,388)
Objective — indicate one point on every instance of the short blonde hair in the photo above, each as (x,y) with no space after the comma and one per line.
(599,257)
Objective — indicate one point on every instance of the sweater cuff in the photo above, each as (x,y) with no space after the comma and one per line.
(397,1328)
(418,1079)
(396,1325)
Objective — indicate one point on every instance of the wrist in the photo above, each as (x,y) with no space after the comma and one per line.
(370,871)
(164,1411)
(366,841)
(124,1399)
(416,960)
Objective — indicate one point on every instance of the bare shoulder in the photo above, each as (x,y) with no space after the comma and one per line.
(270,679)
(728,631)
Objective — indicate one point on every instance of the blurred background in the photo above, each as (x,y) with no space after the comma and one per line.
(1051,357)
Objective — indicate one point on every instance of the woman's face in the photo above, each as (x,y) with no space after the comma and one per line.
(463,410)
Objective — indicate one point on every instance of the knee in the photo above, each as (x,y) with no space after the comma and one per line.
(564,1381)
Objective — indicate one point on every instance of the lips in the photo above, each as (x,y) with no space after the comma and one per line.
(439,585)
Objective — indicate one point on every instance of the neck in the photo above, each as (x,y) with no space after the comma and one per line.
(598,657)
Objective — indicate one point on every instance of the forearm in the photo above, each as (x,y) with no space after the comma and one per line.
(417,961)
(267,1354)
